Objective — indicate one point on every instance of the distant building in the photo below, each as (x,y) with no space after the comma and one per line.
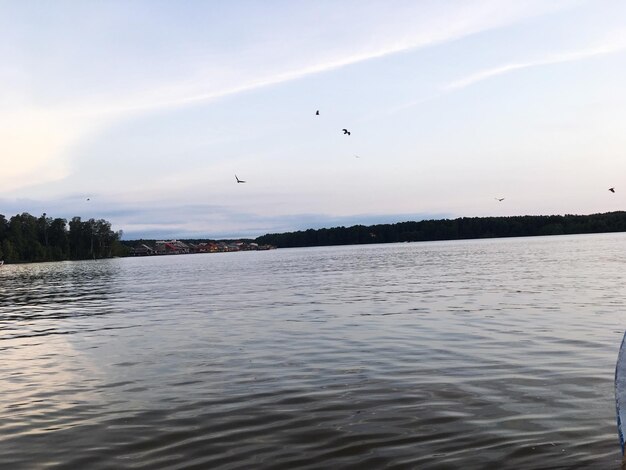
(172,247)
(142,250)
(177,247)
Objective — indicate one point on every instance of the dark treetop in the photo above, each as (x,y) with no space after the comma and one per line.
(446,229)
(26,238)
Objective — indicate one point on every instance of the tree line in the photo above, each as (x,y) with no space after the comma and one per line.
(26,238)
(451,229)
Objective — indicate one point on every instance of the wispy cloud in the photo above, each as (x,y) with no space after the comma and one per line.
(104,116)
(39,134)
(411,28)
(163,220)
(611,47)
(252,226)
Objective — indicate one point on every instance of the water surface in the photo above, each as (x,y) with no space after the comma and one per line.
(465,354)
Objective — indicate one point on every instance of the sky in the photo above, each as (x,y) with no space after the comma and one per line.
(150,108)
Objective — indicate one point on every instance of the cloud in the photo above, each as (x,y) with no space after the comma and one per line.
(610,47)
(28,140)
(256,225)
(50,111)
(296,50)
(374,34)
(194,220)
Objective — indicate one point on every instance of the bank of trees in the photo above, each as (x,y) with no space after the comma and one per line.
(26,238)
(451,229)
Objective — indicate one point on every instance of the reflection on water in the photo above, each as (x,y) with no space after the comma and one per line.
(470,354)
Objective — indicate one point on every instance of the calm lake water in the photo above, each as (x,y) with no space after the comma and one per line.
(444,355)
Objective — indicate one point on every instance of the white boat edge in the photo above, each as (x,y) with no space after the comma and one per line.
(620,391)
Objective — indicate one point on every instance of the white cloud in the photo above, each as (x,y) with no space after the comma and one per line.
(609,47)
(37,138)
(30,141)
(381,33)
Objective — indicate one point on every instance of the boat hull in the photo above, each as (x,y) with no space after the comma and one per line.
(620,392)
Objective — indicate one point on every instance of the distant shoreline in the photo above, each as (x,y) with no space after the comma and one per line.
(462,228)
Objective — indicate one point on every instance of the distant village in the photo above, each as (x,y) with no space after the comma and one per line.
(178,247)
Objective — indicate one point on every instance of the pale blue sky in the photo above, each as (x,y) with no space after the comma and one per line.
(150,108)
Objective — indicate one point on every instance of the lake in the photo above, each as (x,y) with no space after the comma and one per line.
(472,354)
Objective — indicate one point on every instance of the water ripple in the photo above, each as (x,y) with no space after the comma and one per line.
(469,354)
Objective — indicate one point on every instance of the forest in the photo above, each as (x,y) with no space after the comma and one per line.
(26,238)
(451,229)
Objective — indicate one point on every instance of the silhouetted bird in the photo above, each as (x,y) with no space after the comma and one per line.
(238,180)
(499,199)
(317,113)
(612,190)
(346,131)
(88,199)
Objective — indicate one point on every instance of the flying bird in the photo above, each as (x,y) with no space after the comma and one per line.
(499,199)
(612,190)
(88,199)
(317,113)
(238,180)
(346,131)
